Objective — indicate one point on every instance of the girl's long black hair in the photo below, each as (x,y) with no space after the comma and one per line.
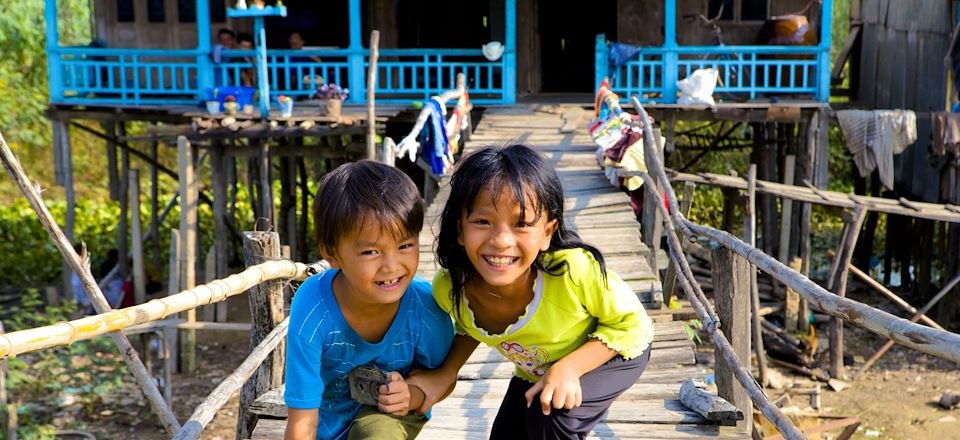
(525,172)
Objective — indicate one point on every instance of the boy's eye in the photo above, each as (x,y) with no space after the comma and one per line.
(406,246)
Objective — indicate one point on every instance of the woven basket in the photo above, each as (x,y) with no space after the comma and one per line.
(330,107)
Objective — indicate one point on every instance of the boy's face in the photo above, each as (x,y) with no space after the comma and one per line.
(376,266)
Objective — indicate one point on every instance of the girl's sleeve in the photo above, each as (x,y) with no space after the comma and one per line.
(441,294)
(304,387)
(622,323)
(436,330)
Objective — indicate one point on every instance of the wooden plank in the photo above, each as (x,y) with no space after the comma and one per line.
(505,371)
(668,357)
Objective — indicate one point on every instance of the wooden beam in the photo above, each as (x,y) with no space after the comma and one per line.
(731,281)
(711,407)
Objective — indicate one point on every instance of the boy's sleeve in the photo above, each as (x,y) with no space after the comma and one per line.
(304,387)
(622,323)
(436,329)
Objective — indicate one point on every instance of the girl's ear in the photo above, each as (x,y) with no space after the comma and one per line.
(460,232)
(548,232)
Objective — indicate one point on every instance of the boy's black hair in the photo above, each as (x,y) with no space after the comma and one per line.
(228,32)
(364,194)
(526,173)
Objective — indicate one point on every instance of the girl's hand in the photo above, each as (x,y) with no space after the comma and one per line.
(394,396)
(559,388)
(435,385)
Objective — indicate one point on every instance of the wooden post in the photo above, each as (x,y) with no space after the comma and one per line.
(123,246)
(154,208)
(207,312)
(837,283)
(5,425)
(220,237)
(266,183)
(786,214)
(892,296)
(171,335)
(794,318)
(670,279)
(188,234)
(113,176)
(266,312)
(61,139)
(139,275)
(288,202)
(371,85)
(652,222)
(304,210)
(731,283)
(750,236)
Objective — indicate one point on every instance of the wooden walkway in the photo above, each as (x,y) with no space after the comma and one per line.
(602,216)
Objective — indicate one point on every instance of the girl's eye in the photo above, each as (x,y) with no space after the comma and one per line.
(368,252)
(480,221)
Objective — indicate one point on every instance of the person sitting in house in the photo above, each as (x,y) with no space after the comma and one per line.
(248,75)
(302,72)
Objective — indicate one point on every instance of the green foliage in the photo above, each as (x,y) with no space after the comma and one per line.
(691,328)
(73,378)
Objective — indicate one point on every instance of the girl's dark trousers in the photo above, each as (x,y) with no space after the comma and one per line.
(599,387)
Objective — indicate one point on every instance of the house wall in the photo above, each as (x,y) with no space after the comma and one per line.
(901,66)
(170,34)
(640,22)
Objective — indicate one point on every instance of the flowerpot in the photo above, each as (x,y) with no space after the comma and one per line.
(231,108)
(213,107)
(286,109)
(330,107)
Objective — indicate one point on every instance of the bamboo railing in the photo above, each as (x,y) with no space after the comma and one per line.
(928,340)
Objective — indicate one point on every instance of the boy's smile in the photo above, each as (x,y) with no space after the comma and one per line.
(376,266)
(501,247)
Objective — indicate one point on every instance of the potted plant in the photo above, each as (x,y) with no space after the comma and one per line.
(331,97)
(286,106)
(230,105)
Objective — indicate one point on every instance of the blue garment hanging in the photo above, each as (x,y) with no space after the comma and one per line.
(619,55)
(433,137)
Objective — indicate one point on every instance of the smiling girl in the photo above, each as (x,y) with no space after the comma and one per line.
(516,279)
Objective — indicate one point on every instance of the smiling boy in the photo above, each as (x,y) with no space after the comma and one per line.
(370,309)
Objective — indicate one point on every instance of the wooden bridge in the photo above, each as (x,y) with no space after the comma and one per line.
(602,216)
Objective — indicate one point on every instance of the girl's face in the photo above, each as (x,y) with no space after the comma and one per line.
(499,245)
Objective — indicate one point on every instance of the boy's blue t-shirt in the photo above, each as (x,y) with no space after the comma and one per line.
(322,348)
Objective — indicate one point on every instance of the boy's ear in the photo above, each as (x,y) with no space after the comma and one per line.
(331,257)
(548,231)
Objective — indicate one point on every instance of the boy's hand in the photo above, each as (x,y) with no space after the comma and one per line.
(435,385)
(559,388)
(394,396)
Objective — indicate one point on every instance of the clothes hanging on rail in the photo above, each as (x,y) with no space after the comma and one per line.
(875,136)
(619,55)
(433,138)
(946,133)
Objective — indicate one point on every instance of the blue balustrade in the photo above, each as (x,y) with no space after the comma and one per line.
(744,71)
(109,76)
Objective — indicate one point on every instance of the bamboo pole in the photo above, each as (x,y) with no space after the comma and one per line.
(204,412)
(66,333)
(82,269)
(371,86)
(750,236)
(189,188)
(892,296)
(916,317)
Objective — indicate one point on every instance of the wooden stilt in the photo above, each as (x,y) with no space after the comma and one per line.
(794,317)
(266,312)
(220,237)
(670,279)
(61,139)
(189,196)
(767,202)
(113,176)
(786,215)
(838,284)
(154,209)
(266,184)
(304,210)
(123,232)
(288,202)
(136,229)
(173,287)
(750,236)
(253,189)
(207,313)
(731,281)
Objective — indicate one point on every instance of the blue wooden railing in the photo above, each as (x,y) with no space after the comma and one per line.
(744,71)
(105,76)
